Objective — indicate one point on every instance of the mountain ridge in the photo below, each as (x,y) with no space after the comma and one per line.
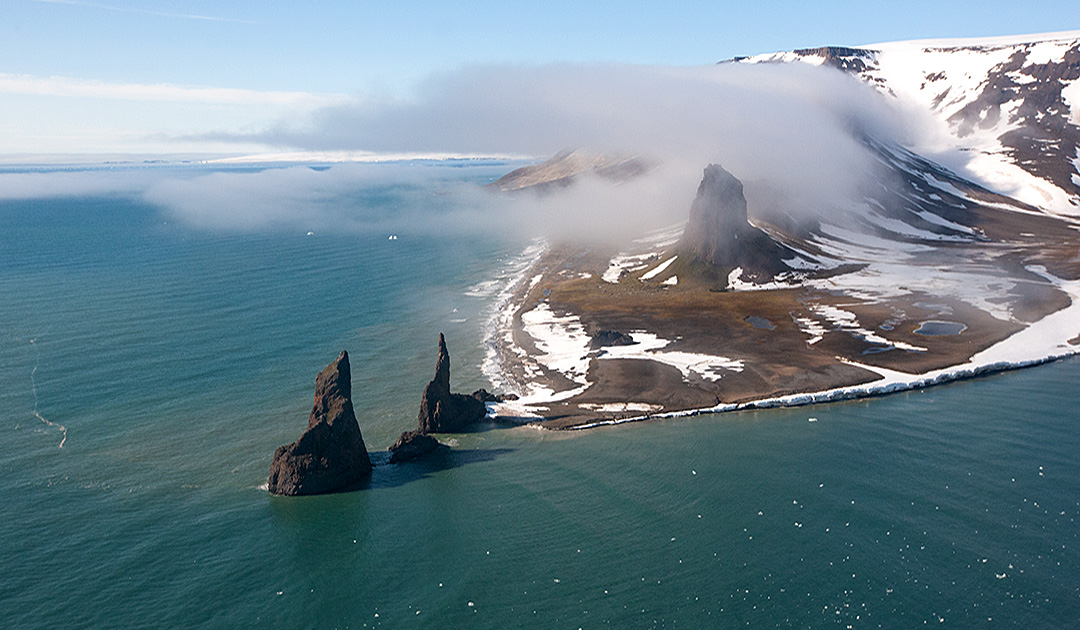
(1007,112)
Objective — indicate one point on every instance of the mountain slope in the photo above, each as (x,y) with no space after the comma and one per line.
(1005,113)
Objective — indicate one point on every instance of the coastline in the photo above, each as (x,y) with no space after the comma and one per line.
(543,393)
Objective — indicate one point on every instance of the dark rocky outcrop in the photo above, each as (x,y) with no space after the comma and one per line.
(330,456)
(485,396)
(412,445)
(442,411)
(719,232)
(608,338)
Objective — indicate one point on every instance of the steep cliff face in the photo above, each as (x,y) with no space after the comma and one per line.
(1005,107)
(720,233)
(330,456)
(442,411)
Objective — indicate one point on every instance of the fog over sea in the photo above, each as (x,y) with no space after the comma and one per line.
(154,354)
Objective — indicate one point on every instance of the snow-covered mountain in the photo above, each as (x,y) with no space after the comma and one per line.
(1002,112)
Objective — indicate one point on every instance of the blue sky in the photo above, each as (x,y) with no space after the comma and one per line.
(135,75)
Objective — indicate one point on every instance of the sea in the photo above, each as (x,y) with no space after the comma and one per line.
(151,362)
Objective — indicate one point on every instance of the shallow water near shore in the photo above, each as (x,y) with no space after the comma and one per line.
(177,359)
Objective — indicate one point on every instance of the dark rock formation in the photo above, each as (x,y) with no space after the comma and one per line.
(720,233)
(485,396)
(412,445)
(607,338)
(442,411)
(330,456)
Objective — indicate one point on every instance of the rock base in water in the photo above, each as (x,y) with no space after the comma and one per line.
(442,411)
(412,445)
(330,456)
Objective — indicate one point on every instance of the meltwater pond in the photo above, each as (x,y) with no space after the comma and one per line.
(178,358)
(936,328)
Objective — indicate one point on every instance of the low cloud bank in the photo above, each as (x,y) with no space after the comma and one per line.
(789,131)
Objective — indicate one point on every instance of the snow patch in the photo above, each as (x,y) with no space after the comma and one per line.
(784,280)
(660,269)
(625,407)
(849,323)
(628,263)
(561,341)
(690,364)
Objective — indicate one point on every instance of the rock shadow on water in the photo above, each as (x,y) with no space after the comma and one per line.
(387,475)
(383,475)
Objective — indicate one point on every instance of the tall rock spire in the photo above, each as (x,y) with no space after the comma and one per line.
(442,411)
(330,456)
(719,231)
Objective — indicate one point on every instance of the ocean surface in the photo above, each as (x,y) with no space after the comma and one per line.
(169,359)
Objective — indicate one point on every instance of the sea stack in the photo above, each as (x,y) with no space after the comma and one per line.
(442,411)
(413,445)
(720,233)
(330,456)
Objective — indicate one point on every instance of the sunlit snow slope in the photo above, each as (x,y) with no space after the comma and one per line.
(1004,112)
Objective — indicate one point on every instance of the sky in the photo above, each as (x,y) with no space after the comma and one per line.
(198,77)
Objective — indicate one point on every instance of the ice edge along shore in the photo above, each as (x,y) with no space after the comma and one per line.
(1042,341)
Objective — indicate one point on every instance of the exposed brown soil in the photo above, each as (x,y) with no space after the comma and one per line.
(776,362)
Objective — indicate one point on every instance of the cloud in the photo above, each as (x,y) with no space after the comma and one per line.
(109,7)
(661,110)
(16,186)
(90,88)
(394,197)
(789,131)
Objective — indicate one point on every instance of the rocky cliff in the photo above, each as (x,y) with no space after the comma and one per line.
(330,456)
(442,411)
(720,233)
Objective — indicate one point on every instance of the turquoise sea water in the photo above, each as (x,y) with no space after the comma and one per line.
(177,359)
